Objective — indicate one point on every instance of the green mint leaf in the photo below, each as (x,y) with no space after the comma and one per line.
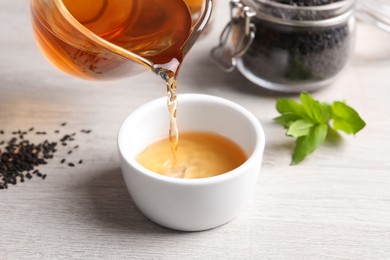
(326,112)
(287,119)
(309,122)
(300,128)
(317,112)
(346,118)
(285,105)
(305,145)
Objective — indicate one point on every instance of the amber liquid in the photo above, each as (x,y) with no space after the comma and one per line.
(155,30)
(201,155)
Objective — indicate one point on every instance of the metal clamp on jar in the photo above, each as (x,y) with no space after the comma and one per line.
(287,47)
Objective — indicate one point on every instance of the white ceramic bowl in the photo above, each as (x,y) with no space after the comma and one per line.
(191,204)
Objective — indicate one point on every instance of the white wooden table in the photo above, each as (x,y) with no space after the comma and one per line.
(335,205)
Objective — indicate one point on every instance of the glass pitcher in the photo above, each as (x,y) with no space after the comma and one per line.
(108,39)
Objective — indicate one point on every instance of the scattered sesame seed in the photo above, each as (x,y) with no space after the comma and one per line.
(21,158)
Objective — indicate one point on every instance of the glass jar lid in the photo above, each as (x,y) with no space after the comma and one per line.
(376,12)
(281,12)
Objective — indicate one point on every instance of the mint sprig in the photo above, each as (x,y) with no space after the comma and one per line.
(311,121)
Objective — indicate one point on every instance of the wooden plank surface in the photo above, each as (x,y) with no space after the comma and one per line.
(335,205)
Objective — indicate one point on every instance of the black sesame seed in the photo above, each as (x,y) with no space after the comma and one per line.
(65,138)
(63,124)
(311,54)
(20,158)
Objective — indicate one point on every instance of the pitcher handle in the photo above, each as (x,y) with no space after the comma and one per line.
(236,38)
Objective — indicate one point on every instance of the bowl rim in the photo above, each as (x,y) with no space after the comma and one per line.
(254,158)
